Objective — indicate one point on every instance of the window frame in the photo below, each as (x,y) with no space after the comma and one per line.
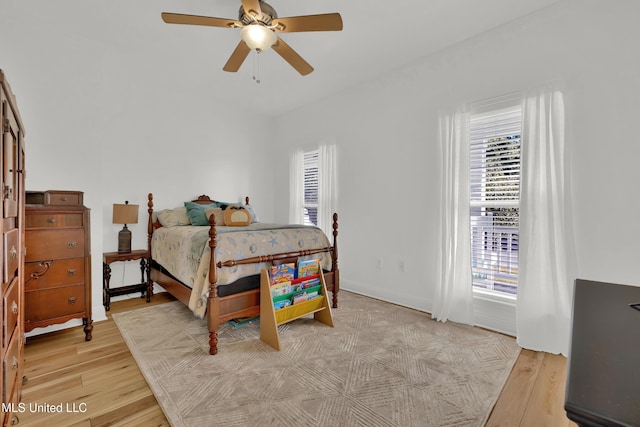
(310,182)
(495,258)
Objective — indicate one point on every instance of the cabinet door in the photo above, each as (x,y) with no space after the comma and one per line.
(8,190)
(10,141)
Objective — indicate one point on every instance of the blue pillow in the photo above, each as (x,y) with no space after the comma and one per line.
(195,212)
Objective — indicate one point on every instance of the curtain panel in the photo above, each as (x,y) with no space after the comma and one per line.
(327,187)
(453,294)
(547,249)
(296,187)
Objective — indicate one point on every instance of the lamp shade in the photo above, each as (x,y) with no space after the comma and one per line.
(125,214)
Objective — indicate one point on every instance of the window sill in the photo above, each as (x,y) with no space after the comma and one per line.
(494,296)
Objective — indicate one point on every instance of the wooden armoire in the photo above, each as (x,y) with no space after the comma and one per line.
(12,250)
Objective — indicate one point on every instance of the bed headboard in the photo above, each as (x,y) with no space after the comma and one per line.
(205,200)
(201,200)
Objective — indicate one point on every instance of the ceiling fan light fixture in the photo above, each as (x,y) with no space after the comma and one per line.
(258,37)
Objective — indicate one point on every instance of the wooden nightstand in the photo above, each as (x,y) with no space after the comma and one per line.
(144,287)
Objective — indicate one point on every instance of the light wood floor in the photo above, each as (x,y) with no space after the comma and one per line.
(103,381)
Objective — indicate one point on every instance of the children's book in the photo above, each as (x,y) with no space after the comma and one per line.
(282,273)
(242,321)
(308,268)
(298,298)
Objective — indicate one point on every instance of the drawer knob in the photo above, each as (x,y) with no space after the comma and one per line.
(14,252)
(52,220)
(14,307)
(64,199)
(71,245)
(71,272)
(72,300)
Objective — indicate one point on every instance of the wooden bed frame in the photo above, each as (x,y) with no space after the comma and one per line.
(243,304)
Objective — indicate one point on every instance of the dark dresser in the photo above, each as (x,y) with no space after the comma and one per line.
(603,373)
(58,260)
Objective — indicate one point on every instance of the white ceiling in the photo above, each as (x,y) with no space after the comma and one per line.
(377,37)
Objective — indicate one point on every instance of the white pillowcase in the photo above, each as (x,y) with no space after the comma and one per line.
(218,212)
(174,217)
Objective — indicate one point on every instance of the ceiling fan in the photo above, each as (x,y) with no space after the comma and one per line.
(259,24)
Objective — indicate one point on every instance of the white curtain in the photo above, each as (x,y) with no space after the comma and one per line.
(327,186)
(296,188)
(547,256)
(453,295)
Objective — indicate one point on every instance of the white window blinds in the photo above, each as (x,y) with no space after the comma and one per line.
(310,203)
(495,197)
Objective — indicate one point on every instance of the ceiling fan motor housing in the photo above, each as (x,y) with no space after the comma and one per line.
(268,15)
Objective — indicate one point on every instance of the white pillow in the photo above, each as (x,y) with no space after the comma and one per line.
(173,217)
(219,215)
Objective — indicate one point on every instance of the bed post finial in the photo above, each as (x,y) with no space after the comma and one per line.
(246,200)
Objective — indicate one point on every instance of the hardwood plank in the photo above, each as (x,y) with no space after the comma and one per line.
(101,373)
(515,394)
(125,415)
(546,406)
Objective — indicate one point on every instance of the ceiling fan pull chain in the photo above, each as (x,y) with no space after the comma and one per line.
(256,67)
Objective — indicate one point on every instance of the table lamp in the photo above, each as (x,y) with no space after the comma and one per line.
(125,214)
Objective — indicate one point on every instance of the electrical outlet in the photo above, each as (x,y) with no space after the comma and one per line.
(402,267)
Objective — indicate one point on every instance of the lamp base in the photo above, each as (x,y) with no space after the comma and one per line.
(124,240)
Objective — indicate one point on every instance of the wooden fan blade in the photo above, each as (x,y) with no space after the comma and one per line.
(209,21)
(323,22)
(237,57)
(292,57)
(252,7)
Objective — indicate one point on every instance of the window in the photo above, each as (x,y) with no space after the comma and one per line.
(495,198)
(313,187)
(310,202)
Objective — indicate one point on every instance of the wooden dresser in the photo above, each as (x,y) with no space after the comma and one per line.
(12,250)
(58,260)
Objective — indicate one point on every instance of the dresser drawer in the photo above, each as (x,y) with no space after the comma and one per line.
(10,305)
(11,258)
(50,219)
(52,273)
(53,244)
(10,367)
(64,198)
(48,304)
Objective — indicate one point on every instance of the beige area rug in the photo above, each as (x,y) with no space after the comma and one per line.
(381,365)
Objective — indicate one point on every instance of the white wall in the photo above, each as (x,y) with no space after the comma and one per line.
(107,119)
(386,133)
(116,121)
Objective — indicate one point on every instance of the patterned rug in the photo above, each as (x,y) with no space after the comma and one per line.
(381,365)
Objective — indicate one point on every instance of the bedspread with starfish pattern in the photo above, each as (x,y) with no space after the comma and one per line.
(184,252)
